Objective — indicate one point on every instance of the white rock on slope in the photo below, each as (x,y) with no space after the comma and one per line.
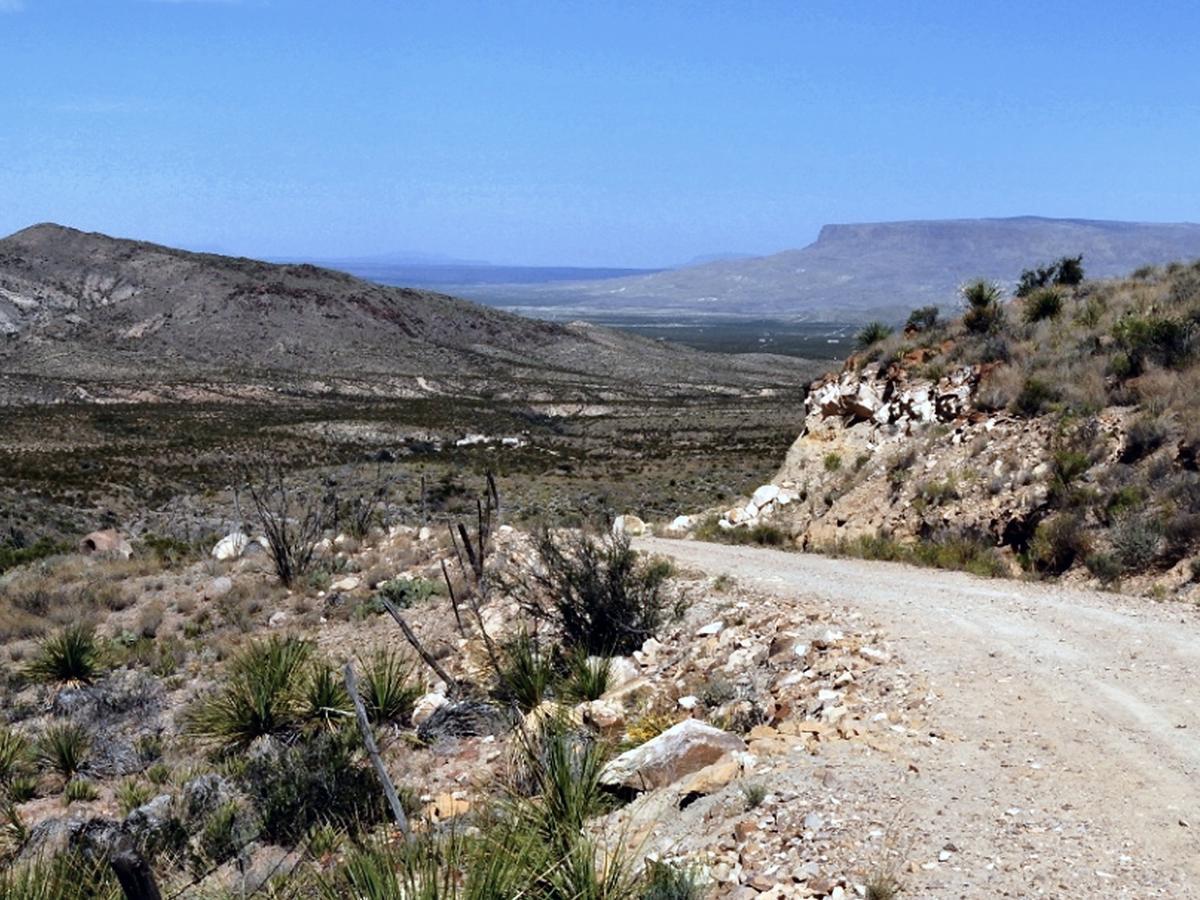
(680,750)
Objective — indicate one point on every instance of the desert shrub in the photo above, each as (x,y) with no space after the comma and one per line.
(1066,271)
(1103,566)
(170,551)
(15,553)
(960,552)
(604,599)
(1145,435)
(761,534)
(1135,541)
(387,687)
(222,835)
(406,592)
(922,319)
(320,779)
(292,520)
(984,313)
(63,747)
(935,493)
(587,677)
(755,793)
(832,462)
(1150,339)
(1057,543)
(1044,303)
(871,334)
(1180,531)
(669,882)
(1035,397)
(259,696)
(70,655)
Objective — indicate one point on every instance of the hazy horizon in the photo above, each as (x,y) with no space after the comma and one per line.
(538,134)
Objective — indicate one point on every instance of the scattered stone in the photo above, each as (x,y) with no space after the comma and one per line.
(231,546)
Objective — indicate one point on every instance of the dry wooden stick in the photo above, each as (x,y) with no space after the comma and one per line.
(364,725)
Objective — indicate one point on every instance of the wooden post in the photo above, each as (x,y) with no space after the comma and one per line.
(134,875)
(451,683)
(364,725)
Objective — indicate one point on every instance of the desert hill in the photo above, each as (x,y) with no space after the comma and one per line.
(865,271)
(75,305)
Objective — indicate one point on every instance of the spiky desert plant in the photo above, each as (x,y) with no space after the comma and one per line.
(525,672)
(64,876)
(132,793)
(63,747)
(325,704)
(982,299)
(259,696)
(79,790)
(587,677)
(70,655)
(14,755)
(387,689)
(871,334)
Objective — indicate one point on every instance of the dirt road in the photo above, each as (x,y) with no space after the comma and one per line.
(1072,753)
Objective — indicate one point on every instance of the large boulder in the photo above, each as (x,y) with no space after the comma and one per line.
(231,546)
(628,524)
(680,750)
(108,543)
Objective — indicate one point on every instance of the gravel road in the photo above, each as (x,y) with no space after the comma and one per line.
(1069,729)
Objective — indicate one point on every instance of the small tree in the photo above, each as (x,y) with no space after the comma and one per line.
(604,599)
(292,519)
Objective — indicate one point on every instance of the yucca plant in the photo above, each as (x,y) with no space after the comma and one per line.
(79,790)
(871,334)
(65,876)
(260,695)
(63,747)
(132,793)
(14,755)
(70,655)
(388,693)
(525,673)
(663,881)
(325,704)
(587,677)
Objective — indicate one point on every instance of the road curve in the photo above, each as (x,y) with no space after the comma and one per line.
(1075,763)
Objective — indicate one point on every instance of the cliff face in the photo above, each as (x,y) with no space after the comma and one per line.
(885,454)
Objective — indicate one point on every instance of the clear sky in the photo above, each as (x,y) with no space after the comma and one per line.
(587,133)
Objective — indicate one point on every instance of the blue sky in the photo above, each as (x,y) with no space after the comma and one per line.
(586,133)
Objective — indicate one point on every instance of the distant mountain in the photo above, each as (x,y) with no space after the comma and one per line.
(859,272)
(94,310)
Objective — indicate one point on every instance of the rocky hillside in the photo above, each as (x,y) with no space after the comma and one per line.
(877,270)
(93,310)
(1055,433)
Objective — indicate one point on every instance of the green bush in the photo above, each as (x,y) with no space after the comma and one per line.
(325,704)
(13,554)
(604,599)
(832,462)
(1103,566)
(923,319)
(1135,540)
(319,779)
(1057,543)
(70,655)
(14,755)
(1034,398)
(667,882)
(1145,435)
(1150,339)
